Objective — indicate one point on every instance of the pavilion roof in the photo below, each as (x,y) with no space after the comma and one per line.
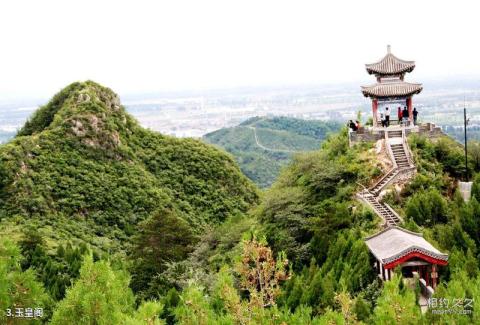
(393,243)
(390,65)
(397,88)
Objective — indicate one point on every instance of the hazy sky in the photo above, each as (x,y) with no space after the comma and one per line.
(142,46)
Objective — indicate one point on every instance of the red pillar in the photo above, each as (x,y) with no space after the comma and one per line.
(410,109)
(374,111)
(434,276)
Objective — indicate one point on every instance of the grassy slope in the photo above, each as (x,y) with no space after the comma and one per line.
(285,136)
(83,169)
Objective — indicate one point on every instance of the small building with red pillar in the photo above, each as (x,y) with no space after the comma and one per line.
(397,247)
(391,90)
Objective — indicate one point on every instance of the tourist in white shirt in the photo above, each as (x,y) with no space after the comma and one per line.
(387,116)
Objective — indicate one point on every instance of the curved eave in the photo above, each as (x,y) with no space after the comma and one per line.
(415,252)
(385,90)
(390,65)
(382,72)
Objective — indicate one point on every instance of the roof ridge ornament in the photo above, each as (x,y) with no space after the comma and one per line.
(389,49)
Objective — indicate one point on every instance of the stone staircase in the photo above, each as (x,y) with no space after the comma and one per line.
(399,154)
(384,181)
(383,210)
(395,134)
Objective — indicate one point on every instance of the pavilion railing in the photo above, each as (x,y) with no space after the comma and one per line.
(427,291)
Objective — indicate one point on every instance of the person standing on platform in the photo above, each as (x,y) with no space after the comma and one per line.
(352,125)
(415,114)
(399,115)
(405,115)
(387,116)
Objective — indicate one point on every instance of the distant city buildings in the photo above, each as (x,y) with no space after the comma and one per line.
(193,115)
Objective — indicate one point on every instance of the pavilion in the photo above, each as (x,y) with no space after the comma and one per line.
(391,90)
(396,247)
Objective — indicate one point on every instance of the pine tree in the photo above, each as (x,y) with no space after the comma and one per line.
(397,306)
(101,296)
(19,289)
(162,238)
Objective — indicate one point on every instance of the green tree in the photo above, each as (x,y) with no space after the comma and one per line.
(55,271)
(161,239)
(18,289)
(476,187)
(427,208)
(101,296)
(195,309)
(461,287)
(474,154)
(397,305)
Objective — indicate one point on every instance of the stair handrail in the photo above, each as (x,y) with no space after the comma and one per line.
(406,147)
(389,150)
(393,211)
(392,170)
(364,187)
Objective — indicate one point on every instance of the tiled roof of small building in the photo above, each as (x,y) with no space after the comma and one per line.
(390,65)
(392,89)
(394,242)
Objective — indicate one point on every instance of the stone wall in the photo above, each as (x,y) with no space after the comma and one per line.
(370,134)
(429,130)
(364,135)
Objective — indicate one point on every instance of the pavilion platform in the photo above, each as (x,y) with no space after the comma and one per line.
(375,133)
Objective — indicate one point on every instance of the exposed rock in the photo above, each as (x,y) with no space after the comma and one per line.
(78,128)
(83,98)
(116,138)
(94,123)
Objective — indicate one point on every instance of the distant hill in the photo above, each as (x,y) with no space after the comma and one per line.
(263,145)
(83,169)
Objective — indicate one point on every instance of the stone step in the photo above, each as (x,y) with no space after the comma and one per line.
(395,134)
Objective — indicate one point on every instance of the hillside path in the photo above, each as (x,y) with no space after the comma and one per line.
(265,148)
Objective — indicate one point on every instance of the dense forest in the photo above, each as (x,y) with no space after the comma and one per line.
(103,222)
(263,145)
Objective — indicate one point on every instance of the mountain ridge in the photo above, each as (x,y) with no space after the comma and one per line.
(84,160)
(264,145)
